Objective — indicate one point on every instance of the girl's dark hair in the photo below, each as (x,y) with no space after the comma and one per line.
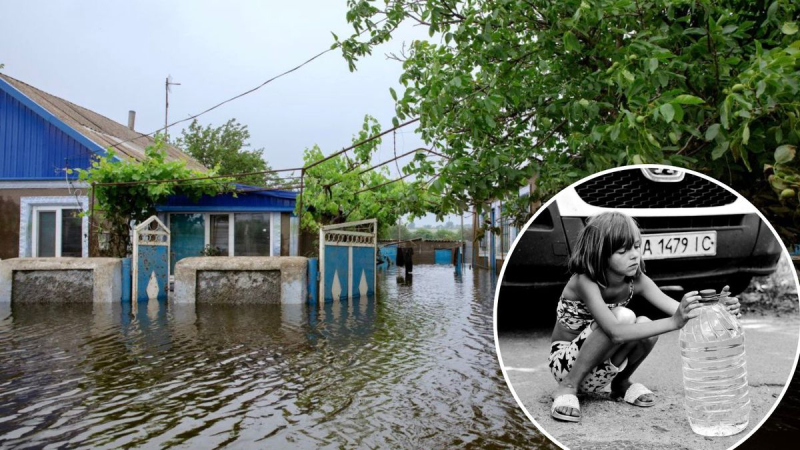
(604,234)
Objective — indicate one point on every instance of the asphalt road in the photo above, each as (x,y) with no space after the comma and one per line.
(771,348)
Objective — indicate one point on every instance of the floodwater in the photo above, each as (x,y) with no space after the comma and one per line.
(414,367)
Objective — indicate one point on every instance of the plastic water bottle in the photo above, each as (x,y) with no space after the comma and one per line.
(714,370)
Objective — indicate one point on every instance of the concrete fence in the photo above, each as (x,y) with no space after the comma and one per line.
(241,280)
(60,280)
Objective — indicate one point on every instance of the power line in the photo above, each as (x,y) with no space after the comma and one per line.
(228,100)
(357,144)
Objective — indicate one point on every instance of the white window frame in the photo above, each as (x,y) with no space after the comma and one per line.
(27,235)
(59,210)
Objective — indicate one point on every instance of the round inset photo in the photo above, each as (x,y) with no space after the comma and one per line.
(648,307)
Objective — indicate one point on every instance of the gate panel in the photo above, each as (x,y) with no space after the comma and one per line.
(363,273)
(150,260)
(348,260)
(336,273)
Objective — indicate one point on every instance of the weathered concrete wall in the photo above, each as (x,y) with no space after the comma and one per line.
(238,287)
(52,286)
(106,278)
(249,286)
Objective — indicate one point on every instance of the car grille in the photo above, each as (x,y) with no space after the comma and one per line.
(630,189)
(665,224)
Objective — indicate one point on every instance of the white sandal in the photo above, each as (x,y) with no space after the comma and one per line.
(633,394)
(566,401)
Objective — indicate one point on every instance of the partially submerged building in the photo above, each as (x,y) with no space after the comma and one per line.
(42,137)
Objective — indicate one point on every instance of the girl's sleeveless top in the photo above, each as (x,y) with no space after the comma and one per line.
(574,314)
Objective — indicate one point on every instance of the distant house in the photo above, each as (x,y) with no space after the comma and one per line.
(41,136)
(493,248)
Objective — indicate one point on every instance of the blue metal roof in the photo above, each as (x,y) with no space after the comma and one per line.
(258,201)
(35,144)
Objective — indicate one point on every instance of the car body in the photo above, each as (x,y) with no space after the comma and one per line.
(675,209)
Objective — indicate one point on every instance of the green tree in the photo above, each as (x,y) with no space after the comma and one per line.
(225,147)
(116,207)
(447,235)
(348,188)
(395,232)
(510,89)
(423,233)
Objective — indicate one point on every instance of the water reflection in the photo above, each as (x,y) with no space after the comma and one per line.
(412,367)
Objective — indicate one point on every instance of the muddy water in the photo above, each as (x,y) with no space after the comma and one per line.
(414,367)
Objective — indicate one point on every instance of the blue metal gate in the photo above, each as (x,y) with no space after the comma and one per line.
(151,241)
(347,258)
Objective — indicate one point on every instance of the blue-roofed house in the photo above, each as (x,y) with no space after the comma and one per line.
(255,222)
(41,136)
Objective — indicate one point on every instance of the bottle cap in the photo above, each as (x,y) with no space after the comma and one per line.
(708,295)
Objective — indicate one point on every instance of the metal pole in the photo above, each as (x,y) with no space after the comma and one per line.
(300,213)
(91,223)
(463,244)
(166,108)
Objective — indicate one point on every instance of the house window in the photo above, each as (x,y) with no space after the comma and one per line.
(57,232)
(220,232)
(251,234)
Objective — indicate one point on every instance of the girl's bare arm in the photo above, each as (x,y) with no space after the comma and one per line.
(618,332)
(645,287)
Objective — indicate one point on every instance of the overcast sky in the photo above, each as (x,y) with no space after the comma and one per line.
(113,56)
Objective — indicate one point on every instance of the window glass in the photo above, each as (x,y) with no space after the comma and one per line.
(219,232)
(251,234)
(46,235)
(71,233)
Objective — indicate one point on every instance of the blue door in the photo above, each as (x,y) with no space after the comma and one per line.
(188,237)
(443,256)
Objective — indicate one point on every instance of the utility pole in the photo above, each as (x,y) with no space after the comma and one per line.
(167,83)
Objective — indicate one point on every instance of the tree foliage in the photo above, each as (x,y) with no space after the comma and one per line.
(225,147)
(511,89)
(403,233)
(348,188)
(117,207)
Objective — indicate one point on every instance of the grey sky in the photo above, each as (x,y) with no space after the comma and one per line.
(113,56)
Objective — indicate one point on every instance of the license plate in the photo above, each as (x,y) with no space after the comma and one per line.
(679,245)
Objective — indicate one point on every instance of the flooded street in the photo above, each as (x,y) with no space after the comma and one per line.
(413,368)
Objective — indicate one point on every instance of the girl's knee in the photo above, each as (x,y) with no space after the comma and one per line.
(624,315)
